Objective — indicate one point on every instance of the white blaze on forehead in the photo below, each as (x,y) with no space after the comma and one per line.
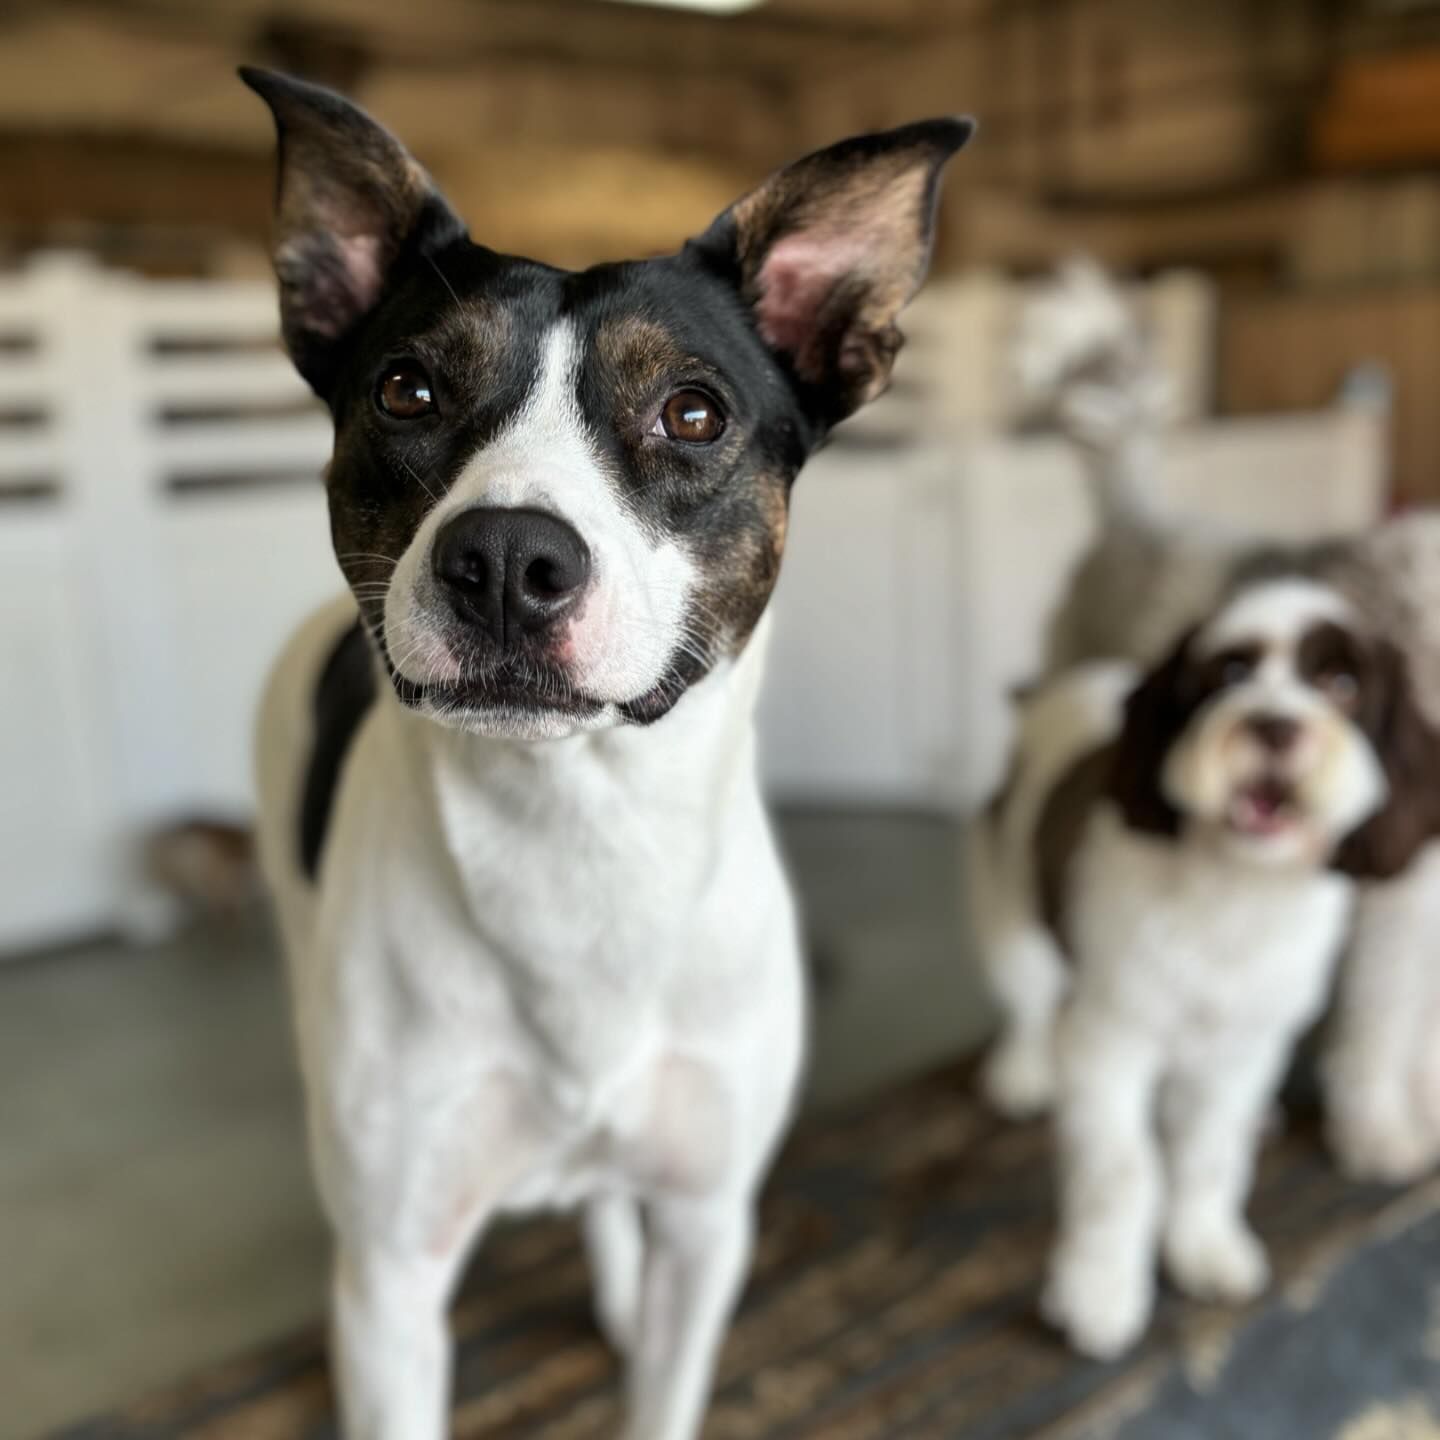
(1274,612)
(627,628)
(545,455)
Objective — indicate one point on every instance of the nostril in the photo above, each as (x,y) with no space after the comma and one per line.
(469,571)
(546,579)
(511,571)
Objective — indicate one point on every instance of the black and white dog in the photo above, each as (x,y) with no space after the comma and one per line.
(1164,892)
(541,946)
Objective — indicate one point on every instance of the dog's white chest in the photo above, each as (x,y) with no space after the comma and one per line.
(542,982)
(669,1129)
(1196,944)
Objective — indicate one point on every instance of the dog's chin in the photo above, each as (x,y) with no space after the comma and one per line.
(492,721)
(535,705)
(538,704)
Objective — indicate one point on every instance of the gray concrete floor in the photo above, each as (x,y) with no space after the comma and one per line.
(155,1211)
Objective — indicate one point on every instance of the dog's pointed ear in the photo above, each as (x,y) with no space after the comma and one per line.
(1408,748)
(828,251)
(350,201)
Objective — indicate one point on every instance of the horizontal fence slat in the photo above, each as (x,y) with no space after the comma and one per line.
(20,314)
(26,456)
(299,442)
(221,379)
(33,391)
(200,309)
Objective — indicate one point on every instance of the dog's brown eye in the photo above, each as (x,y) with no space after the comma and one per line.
(405,392)
(691,416)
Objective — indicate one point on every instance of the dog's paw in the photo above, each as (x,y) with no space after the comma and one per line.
(1018,1081)
(1101,1313)
(1220,1262)
(1389,1144)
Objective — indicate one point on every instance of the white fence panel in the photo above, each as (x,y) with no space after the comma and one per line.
(161,529)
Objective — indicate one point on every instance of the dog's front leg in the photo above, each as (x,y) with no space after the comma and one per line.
(696,1257)
(1101,1286)
(391,1342)
(1214,1115)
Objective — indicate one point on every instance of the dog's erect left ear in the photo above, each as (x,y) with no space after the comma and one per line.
(350,202)
(829,250)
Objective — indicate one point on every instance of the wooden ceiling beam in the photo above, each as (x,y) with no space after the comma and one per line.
(591,32)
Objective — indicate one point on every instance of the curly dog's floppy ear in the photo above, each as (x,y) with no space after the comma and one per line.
(1158,709)
(1409,751)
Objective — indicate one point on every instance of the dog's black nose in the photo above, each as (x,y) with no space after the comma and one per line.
(513,572)
(1275,732)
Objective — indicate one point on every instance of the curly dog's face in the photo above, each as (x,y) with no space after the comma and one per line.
(1285,731)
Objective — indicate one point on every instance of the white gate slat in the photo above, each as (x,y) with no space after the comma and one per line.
(143,636)
(298,442)
(264,378)
(26,380)
(57,833)
(19,313)
(27,456)
(214,547)
(236,311)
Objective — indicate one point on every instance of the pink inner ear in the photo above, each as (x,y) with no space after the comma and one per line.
(332,279)
(360,255)
(797,278)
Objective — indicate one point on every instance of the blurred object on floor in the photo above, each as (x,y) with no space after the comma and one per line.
(208,865)
(191,870)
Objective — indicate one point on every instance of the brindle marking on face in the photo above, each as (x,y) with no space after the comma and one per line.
(783,312)
(640,360)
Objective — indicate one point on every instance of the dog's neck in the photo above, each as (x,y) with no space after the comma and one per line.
(586,865)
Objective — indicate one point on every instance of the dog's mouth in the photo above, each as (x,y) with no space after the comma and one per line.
(528,689)
(520,688)
(1265,808)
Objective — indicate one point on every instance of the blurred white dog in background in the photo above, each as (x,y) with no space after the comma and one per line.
(1084,360)
(1164,894)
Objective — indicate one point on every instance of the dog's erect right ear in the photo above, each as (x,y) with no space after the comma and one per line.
(829,250)
(350,201)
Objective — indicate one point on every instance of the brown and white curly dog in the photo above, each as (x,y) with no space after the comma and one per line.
(1146,577)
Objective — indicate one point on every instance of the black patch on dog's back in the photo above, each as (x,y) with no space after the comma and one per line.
(343,695)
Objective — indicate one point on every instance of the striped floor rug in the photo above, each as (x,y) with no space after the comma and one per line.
(893,1299)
